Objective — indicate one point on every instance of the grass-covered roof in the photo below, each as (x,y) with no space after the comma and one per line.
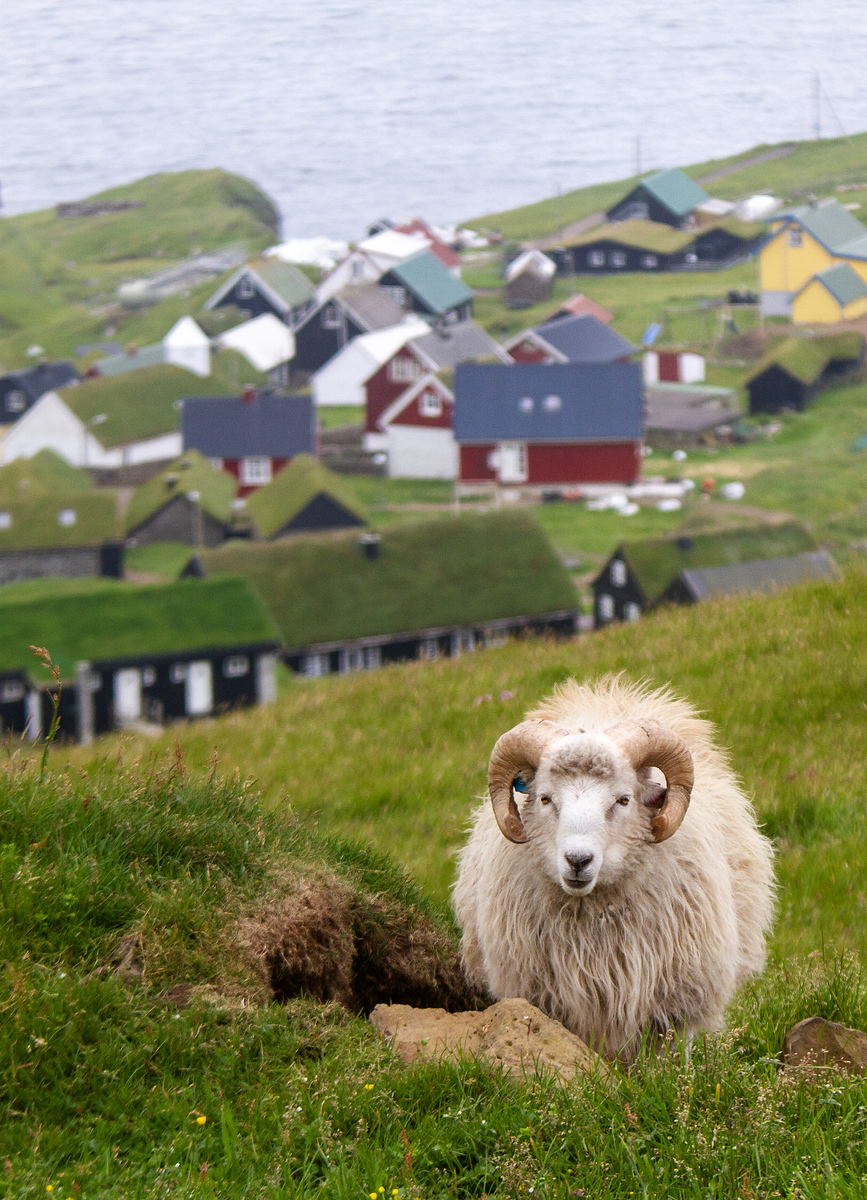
(806,358)
(273,505)
(657,562)
(660,238)
(192,472)
(55,521)
(46,473)
(132,622)
(456,571)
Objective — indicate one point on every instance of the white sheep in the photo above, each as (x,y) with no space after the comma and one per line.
(621,907)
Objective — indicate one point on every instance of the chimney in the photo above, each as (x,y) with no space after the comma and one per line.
(369,543)
(249,394)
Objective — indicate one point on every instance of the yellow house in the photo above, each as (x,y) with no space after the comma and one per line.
(836,294)
(803,242)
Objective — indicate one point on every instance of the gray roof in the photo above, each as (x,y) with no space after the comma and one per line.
(688,408)
(371,305)
(762,575)
(45,377)
(228,427)
(842,281)
(448,345)
(585,339)
(832,225)
(557,402)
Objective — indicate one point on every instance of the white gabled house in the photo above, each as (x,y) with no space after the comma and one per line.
(185,345)
(370,259)
(416,432)
(342,379)
(266,342)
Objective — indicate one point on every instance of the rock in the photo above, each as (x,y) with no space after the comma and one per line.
(512,1033)
(816,1042)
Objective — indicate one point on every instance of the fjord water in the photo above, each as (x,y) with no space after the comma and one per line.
(347,110)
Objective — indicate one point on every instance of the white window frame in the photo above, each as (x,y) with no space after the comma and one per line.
(605,607)
(397,294)
(5,520)
(256,470)
(246,288)
(314,666)
(595,258)
(631,611)
(796,238)
(404,370)
(430,403)
(617,573)
(16,401)
(429,649)
(330,317)
(236,666)
(11,691)
(650,261)
(552,403)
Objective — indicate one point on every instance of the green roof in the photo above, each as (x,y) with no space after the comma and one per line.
(832,225)
(275,504)
(660,238)
(805,358)
(456,571)
(192,472)
(286,280)
(675,190)
(657,562)
(431,282)
(58,520)
(132,622)
(46,473)
(138,404)
(842,281)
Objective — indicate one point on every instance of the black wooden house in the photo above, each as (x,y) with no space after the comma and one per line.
(333,323)
(669,197)
(796,370)
(266,285)
(19,390)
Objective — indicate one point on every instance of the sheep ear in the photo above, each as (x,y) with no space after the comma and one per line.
(653,795)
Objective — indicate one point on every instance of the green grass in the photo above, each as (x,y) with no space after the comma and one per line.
(332,417)
(35,522)
(106,1082)
(165,559)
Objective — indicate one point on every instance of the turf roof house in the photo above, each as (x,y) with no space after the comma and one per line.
(803,242)
(117,421)
(792,373)
(251,436)
(542,424)
(189,501)
(19,390)
(266,285)
(582,338)
(667,197)
(304,497)
(639,245)
(420,591)
(641,575)
(125,654)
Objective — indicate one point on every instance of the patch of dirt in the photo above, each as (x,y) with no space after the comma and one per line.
(326,941)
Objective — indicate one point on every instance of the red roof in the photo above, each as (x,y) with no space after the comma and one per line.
(444,253)
(580,306)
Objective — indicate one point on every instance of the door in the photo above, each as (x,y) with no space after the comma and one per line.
(513,462)
(127,695)
(199,688)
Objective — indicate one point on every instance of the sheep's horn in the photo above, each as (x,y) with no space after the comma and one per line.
(650,744)
(518,750)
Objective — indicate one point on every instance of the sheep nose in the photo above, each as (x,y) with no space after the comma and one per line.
(579,861)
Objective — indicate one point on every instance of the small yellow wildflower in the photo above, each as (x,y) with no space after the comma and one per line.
(368,1087)
(373,1196)
(201,1120)
(395,1192)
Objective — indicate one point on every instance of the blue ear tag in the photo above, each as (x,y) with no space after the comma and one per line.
(519,784)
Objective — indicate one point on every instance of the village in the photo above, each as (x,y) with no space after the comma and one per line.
(329,457)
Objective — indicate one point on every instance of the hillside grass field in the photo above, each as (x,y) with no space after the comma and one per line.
(146,1054)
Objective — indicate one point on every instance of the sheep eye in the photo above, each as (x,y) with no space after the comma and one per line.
(544,799)
(624,800)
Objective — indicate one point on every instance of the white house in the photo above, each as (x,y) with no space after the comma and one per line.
(341,380)
(370,259)
(266,342)
(185,345)
(417,432)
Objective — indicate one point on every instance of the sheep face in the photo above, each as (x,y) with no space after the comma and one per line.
(587,813)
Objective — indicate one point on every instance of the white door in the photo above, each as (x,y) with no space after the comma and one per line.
(127,695)
(513,462)
(199,688)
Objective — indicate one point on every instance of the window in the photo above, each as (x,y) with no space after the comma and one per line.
(596,258)
(796,237)
(66,517)
(430,404)
(177,672)
(372,657)
(245,288)
(552,404)
(404,370)
(315,665)
(256,470)
(398,295)
(5,520)
(632,611)
(526,404)
(357,268)
(235,666)
(618,573)
(691,258)
(216,463)
(11,690)
(617,258)
(330,317)
(605,605)
(16,402)
(148,676)
(429,649)
(649,261)
(351,660)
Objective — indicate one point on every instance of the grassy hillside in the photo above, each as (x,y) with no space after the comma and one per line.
(150,916)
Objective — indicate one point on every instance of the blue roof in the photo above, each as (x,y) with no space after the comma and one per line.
(430,282)
(585,339)
(541,402)
(229,427)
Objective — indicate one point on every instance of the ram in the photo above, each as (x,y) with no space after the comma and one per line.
(618,879)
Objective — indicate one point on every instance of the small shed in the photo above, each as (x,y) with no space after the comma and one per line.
(836,294)
(759,575)
(665,196)
(529,279)
(641,575)
(304,497)
(436,588)
(189,501)
(794,371)
(688,414)
(266,342)
(673,366)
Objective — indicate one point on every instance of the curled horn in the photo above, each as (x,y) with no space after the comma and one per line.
(518,750)
(650,744)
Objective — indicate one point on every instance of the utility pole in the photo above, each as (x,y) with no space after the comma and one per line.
(638,154)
